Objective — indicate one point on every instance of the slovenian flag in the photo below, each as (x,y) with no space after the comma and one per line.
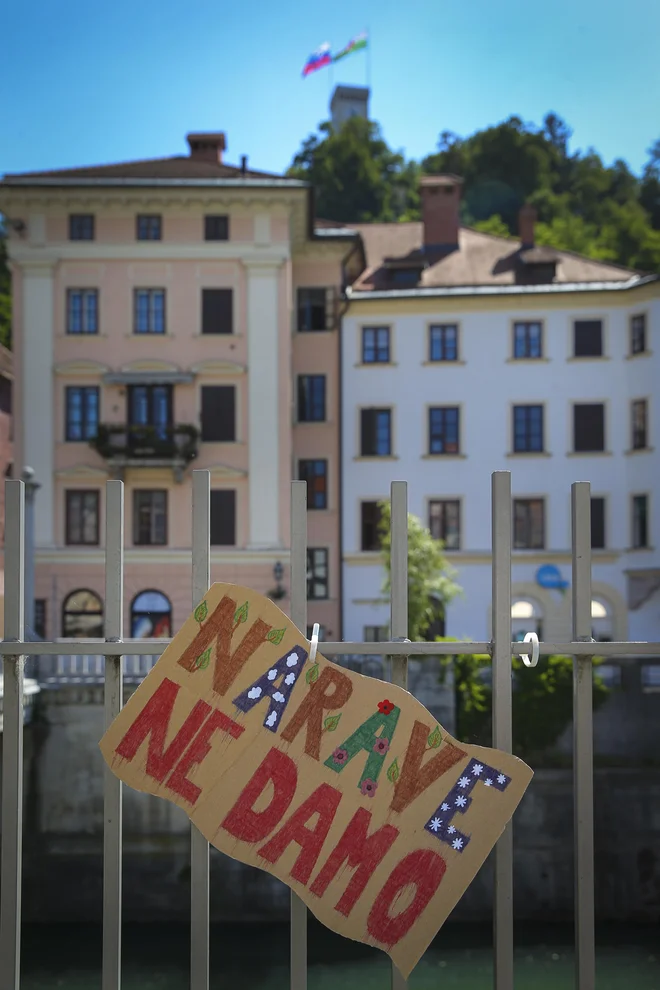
(316,61)
(360,41)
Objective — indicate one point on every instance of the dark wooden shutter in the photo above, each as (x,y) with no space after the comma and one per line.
(218,413)
(223,517)
(598,523)
(368,432)
(217,311)
(588,338)
(370,520)
(589,427)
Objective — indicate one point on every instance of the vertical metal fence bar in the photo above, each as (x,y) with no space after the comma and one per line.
(399,607)
(113,700)
(298,581)
(12,751)
(583,774)
(199,847)
(502,718)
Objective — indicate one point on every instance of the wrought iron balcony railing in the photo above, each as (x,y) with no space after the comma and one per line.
(129,444)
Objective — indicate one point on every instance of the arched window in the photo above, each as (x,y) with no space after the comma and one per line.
(601,621)
(526,616)
(151,616)
(82,615)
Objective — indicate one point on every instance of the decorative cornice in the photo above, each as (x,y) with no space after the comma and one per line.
(221,471)
(65,556)
(213,367)
(82,472)
(80,367)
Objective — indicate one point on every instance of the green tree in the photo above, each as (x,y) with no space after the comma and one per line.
(542,701)
(431,584)
(355,175)
(493,225)
(5,294)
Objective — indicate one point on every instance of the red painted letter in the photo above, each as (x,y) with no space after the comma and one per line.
(361,851)
(324,802)
(423,868)
(153,721)
(253,826)
(198,749)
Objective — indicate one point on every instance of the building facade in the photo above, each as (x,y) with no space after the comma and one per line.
(175,314)
(465,354)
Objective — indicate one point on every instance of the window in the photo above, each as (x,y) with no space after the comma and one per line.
(223,517)
(527,340)
(445,522)
(149,518)
(588,338)
(588,427)
(217,311)
(82,311)
(370,516)
(638,334)
(149,311)
(375,634)
(639,424)
(443,342)
(640,521)
(313,311)
(149,227)
(311,398)
(216,228)
(376,432)
(81,227)
(527,429)
(528,524)
(218,413)
(82,518)
(315,473)
(375,345)
(526,616)
(151,406)
(443,430)
(82,615)
(597,523)
(151,616)
(40,617)
(317,573)
(82,412)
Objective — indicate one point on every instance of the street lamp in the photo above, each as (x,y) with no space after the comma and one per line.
(278,591)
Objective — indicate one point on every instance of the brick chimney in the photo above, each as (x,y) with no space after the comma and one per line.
(441,199)
(526,224)
(206,147)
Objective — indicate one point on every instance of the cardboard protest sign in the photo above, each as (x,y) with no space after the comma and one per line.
(343,786)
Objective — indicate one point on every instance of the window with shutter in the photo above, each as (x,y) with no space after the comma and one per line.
(370,519)
(640,521)
(376,432)
(597,523)
(216,228)
(639,424)
(588,427)
(218,414)
(315,473)
(223,517)
(217,311)
(313,307)
(528,523)
(311,398)
(588,336)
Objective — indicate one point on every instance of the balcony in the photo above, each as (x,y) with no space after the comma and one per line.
(147,446)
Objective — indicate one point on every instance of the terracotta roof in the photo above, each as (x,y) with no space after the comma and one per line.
(481,259)
(176,167)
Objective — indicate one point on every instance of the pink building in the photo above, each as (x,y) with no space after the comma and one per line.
(173,314)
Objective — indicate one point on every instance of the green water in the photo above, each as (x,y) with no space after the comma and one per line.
(256,958)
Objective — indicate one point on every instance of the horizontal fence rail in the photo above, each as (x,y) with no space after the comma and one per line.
(116,662)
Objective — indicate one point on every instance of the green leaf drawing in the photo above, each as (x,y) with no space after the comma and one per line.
(276,635)
(331,722)
(393,772)
(241,614)
(202,662)
(312,674)
(435,738)
(201,612)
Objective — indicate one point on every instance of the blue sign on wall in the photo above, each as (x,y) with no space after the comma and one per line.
(549,576)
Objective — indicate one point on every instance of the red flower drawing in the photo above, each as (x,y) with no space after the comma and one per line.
(385,707)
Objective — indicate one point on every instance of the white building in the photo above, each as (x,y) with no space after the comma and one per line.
(464,354)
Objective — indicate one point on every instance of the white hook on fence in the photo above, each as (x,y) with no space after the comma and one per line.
(314,642)
(532,638)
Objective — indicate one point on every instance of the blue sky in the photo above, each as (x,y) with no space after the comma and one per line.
(92,82)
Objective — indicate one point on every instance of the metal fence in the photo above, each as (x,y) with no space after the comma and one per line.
(399,648)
